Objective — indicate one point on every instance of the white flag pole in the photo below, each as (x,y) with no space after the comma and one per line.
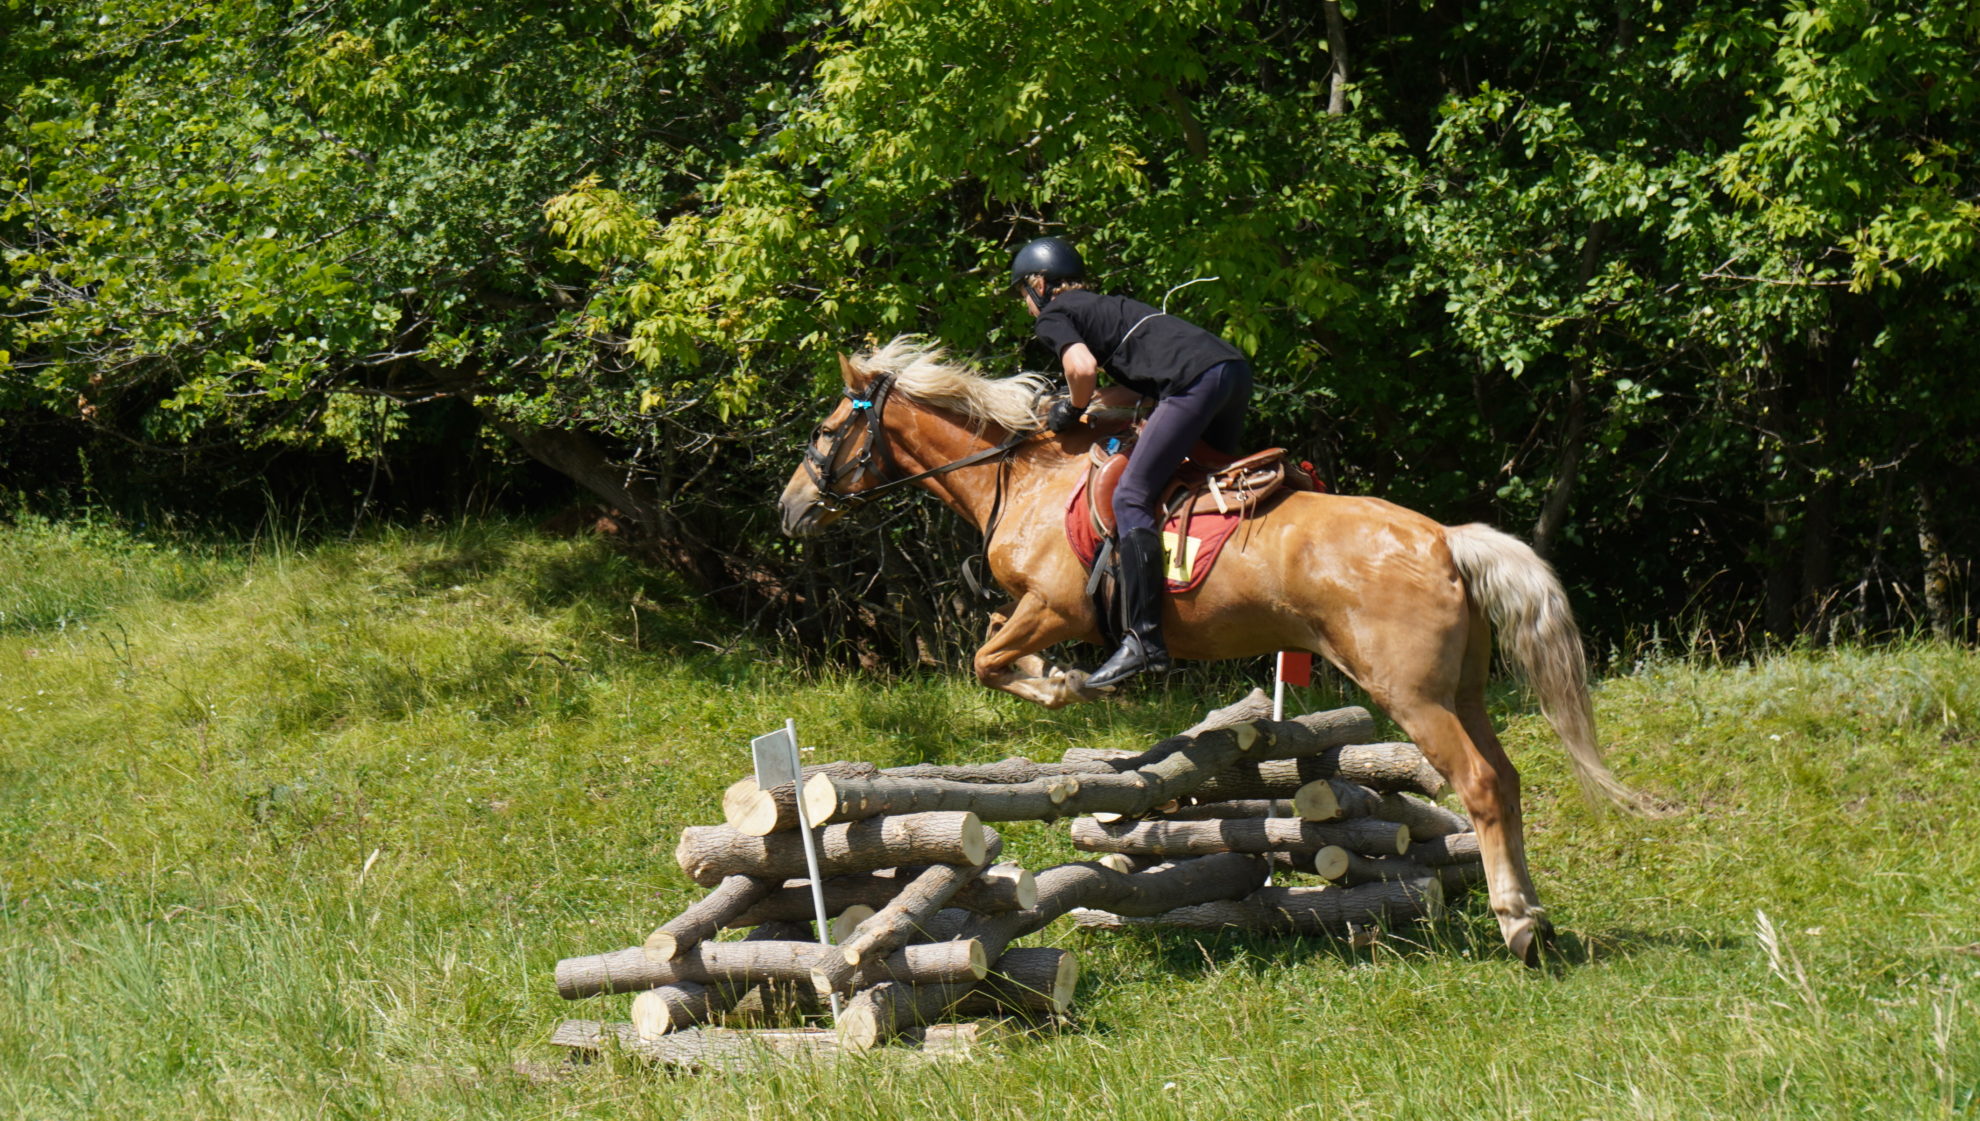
(810,848)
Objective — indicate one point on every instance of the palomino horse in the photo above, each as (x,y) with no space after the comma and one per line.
(1402,605)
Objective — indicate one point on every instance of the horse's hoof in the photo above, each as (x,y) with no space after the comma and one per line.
(1529,939)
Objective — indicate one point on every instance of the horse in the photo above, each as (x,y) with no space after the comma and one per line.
(1403,606)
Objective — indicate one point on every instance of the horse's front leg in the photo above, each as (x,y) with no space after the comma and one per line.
(1009,659)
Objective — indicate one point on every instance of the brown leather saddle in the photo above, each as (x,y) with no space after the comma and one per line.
(1209,481)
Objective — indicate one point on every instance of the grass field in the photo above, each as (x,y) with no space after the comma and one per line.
(301,832)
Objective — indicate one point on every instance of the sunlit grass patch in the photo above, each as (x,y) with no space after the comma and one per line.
(311,838)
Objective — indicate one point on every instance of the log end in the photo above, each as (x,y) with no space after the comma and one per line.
(1331,862)
(651,1017)
(820,799)
(1316,801)
(1024,885)
(859,1027)
(758,816)
(661,946)
(975,840)
(1402,839)
(1064,983)
(738,796)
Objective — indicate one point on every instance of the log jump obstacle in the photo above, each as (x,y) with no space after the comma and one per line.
(926,914)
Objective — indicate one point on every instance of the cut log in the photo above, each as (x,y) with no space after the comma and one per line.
(1109,756)
(684,1004)
(716,963)
(1313,734)
(1297,910)
(744,798)
(892,926)
(1379,766)
(1329,863)
(1001,887)
(1036,981)
(719,908)
(1455,878)
(1213,811)
(1334,799)
(1004,772)
(1457,848)
(1252,834)
(1426,821)
(829,799)
(1184,763)
(709,852)
(1227,875)
(1026,980)
(670,1008)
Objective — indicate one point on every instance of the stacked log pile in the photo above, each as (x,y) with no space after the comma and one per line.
(926,916)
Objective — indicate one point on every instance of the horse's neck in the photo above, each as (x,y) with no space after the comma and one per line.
(936,438)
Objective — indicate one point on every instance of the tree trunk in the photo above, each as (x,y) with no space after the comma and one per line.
(1574,427)
(1939,612)
(1337,58)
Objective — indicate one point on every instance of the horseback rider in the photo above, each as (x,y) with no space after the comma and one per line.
(1201,386)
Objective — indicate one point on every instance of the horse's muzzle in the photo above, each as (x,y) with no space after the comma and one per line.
(802,511)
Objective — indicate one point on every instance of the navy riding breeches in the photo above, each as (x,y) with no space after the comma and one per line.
(1210,409)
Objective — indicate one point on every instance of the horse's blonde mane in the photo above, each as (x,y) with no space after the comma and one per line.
(924,371)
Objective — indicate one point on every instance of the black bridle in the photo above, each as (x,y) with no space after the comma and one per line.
(872,458)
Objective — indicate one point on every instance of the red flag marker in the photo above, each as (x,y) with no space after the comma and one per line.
(1296,667)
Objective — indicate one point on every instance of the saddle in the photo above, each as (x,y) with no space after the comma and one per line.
(1209,497)
(1209,481)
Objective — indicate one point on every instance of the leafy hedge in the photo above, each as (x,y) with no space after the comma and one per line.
(1683,290)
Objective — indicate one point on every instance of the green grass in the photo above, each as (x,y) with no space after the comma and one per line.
(301,832)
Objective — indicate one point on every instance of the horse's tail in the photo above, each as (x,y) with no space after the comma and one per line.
(1529,610)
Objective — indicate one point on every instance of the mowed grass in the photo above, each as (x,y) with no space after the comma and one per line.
(302,832)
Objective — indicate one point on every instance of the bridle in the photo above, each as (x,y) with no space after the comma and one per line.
(867,406)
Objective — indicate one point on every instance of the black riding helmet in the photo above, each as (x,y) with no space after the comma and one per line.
(1050,258)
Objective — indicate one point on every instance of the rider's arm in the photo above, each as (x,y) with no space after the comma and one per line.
(1082,372)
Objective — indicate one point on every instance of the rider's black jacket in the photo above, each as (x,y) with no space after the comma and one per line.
(1149,352)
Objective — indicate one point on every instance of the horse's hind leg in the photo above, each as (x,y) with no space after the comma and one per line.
(1442,708)
(1485,779)
(1507,877)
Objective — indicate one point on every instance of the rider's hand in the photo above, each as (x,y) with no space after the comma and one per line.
(1064,415)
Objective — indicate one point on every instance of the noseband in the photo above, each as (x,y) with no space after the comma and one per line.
(871,460)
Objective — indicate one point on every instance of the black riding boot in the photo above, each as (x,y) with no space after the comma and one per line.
(1141,649)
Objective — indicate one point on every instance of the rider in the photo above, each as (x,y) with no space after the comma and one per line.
(1201,385)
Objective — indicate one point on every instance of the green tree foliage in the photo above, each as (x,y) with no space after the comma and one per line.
(1684,288)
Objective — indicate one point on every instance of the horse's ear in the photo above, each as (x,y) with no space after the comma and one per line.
(846,371)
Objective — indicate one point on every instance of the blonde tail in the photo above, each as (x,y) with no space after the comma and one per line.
(1529,611)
